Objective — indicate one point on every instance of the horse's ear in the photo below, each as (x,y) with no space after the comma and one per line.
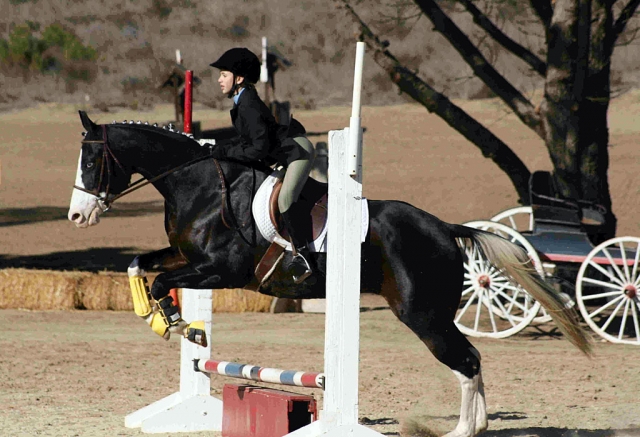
(86,121)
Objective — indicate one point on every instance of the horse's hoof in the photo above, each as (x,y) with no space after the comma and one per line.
(195,333)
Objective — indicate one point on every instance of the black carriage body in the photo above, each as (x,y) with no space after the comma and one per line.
(563,230)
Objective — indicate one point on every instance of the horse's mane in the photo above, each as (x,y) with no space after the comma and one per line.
(177,136)
(171,133)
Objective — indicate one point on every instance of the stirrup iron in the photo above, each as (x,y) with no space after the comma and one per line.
(301,261)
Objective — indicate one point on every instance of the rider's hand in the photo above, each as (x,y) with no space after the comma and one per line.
(217,152)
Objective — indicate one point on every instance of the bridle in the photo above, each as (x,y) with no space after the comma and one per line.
(108,160)
(106,165)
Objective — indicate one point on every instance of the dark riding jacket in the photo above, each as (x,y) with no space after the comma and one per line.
(260,137)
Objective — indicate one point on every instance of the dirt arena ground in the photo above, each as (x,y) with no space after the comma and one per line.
(79,373)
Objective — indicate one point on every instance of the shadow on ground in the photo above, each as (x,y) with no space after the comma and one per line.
(24,216)
(534,431)
(90,260)
(562,432)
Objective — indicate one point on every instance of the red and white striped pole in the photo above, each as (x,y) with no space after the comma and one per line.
(188,101)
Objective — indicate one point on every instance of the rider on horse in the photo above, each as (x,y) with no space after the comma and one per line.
(262,140)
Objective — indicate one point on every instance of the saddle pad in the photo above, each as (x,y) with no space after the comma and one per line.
(260,210)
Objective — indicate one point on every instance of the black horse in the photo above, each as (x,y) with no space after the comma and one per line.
(409,256)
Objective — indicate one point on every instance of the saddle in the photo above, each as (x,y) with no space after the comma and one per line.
(311,208)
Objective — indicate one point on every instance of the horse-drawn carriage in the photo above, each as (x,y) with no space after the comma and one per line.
(558,235)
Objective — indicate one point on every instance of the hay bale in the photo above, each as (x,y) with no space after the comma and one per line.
(107,291)
(53,290)
(38,290)
(237,300)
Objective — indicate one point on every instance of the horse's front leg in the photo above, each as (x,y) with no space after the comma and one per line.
(165,317)
(159,315)
(163,260)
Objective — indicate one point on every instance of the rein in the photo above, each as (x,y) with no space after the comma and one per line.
(106,203)
(223,183)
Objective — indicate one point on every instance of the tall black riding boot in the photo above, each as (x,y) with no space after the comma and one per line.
(300,267)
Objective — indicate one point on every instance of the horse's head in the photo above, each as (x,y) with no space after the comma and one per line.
(100,176)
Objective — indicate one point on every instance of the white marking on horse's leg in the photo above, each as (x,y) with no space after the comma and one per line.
(482,420)
(467,425)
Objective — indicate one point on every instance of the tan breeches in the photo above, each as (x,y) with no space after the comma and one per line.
(296,176)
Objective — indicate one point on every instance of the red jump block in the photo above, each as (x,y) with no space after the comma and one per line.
(250,411)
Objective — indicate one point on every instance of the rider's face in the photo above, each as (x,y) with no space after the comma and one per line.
(226,81)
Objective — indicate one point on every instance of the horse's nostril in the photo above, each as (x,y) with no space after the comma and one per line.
(75,217)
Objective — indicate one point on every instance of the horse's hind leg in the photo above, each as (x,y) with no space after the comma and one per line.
(451,348)
(473,409)
(429,313)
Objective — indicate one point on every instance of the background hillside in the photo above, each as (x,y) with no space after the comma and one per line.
(107,53)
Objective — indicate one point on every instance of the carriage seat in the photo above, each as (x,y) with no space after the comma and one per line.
(550,211)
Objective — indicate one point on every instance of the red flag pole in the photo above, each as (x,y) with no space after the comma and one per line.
(188,101)
(176,300)
(188,104)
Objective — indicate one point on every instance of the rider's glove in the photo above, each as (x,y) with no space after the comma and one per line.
(218,152)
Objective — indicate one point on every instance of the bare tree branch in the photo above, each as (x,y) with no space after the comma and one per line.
(408,82)
(504,40)
(519,104)
(544,11)
(626,14)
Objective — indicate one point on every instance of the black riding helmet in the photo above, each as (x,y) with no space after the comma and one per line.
(241,62)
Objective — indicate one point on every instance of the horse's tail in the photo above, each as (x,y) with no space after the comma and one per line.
(515,263)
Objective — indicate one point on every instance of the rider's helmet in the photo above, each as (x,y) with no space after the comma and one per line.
(241,62)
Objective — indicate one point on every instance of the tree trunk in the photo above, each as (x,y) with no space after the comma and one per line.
(576,104)
(560,107)
(594,159)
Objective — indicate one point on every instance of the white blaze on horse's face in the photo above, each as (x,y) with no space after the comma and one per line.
(85,208)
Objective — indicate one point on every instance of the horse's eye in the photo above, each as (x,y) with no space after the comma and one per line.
(89,164)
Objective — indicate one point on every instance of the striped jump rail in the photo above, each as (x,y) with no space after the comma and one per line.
(260,374)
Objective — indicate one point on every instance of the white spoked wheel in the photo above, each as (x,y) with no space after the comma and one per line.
(492,305)
(520,219)
(608,290)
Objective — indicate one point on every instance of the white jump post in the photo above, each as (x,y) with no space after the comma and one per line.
(192,408)
(264,72)
(339,416)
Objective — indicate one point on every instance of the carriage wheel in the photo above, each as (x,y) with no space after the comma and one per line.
(520,218)
(492,305)
(608,290)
